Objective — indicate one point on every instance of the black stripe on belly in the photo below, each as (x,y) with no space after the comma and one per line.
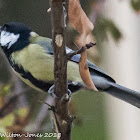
(27,75)
(41,84)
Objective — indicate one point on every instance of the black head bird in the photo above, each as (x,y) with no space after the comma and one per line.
(31,58)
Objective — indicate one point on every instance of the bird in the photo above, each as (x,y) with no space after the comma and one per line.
(31,58)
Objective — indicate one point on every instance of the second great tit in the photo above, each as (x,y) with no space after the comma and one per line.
(31,58)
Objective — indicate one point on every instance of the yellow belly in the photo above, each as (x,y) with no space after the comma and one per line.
(41,65)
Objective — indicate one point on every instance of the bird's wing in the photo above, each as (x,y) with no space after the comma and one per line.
(95,70)
(76,58)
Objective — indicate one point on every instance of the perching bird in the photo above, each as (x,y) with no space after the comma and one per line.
(31,58)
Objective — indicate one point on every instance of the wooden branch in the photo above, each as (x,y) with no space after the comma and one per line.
(37,124)
(62,117)
(79,51)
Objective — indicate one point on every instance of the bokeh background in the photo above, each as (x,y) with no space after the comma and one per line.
(99,116)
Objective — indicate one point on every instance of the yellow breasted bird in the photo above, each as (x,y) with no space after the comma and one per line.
(31,58)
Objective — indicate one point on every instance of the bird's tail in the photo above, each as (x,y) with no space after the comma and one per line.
(125,94)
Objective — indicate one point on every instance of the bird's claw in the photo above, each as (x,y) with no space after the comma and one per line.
(51,92)
(64,97)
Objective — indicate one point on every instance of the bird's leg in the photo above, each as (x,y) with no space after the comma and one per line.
(65,97)
(51,91)
(79,51)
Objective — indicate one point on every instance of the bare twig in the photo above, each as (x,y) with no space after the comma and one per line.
(18,88)
(79,51)
(37,124)
(60,70)
(52,108)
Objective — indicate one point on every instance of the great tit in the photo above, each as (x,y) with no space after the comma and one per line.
(31,58)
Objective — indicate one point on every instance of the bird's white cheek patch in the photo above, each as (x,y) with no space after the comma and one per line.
(8,39)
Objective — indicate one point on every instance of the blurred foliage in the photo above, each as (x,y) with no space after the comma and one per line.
(90,122)
(6,122)
(104,26)
(135,5)
(4,91)
(30,12)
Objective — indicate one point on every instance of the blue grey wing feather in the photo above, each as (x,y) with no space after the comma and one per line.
(94,70)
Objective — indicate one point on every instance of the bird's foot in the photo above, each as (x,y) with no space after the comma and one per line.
(64,97)
(51,92)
